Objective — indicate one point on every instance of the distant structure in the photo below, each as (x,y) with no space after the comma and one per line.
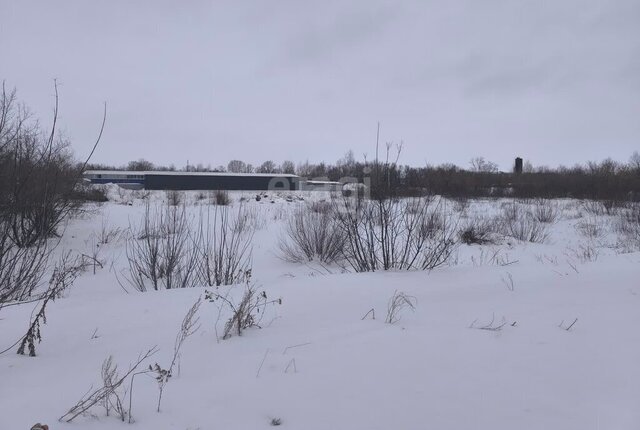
(517,169)
(163,180)
(318,185)
(166,180)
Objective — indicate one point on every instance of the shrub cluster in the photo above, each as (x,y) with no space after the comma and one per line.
(169,250)
(38,189)
(371,235)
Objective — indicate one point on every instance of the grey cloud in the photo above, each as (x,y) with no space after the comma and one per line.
(211,81)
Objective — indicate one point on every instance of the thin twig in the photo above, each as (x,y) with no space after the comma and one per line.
(295,346)
(262,362)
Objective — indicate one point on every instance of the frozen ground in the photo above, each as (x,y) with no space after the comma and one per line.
(316,364)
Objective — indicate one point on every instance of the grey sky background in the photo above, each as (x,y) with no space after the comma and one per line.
(556,82)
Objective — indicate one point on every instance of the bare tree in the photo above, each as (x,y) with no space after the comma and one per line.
(288,166)
(38,175)
(267,167)
(21,269)
(479,164)
(140,165)
(237,166)
(37,181)
(634,161)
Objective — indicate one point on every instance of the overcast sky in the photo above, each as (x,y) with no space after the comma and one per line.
(556,82)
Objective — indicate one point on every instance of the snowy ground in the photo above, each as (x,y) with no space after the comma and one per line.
(316,364)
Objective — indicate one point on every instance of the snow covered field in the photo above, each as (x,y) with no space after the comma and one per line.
(510,335)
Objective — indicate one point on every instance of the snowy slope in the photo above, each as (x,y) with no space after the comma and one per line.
(316,364)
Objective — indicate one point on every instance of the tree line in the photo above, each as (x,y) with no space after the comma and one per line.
(603,180)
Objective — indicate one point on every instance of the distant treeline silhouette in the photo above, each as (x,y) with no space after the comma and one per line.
(604,180)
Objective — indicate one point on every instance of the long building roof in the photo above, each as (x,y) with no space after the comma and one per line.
(176,173)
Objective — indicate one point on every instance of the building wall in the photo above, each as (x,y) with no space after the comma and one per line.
(187,182)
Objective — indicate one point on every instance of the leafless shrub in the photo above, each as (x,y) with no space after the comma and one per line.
(21,269)
(254,218)
(527,229)
(320,207)
(39,189)
(160,252)
(511,211)
(583,253)
(460,204)
(174,197)
(108,393)
(86,192)
(477,231)
(522,225)
(223,243)
(571,209)
(594,207)
(384,235)
(141,194)
(38,176)
(398,303)
(492,256)
(106,233)
(246,313)
(627,226)
(592,227)
(546,211)
(221,198)
(612,206)
(311,234)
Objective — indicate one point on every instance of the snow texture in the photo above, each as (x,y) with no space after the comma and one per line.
(486,347)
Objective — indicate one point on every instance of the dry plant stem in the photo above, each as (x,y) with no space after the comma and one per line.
(99,395)
(133,375)
(190,325)
(398,303)
(284,351)
(64,274)
(246,313)
(262,362)
(491,325)
(371,312)
(568,328)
